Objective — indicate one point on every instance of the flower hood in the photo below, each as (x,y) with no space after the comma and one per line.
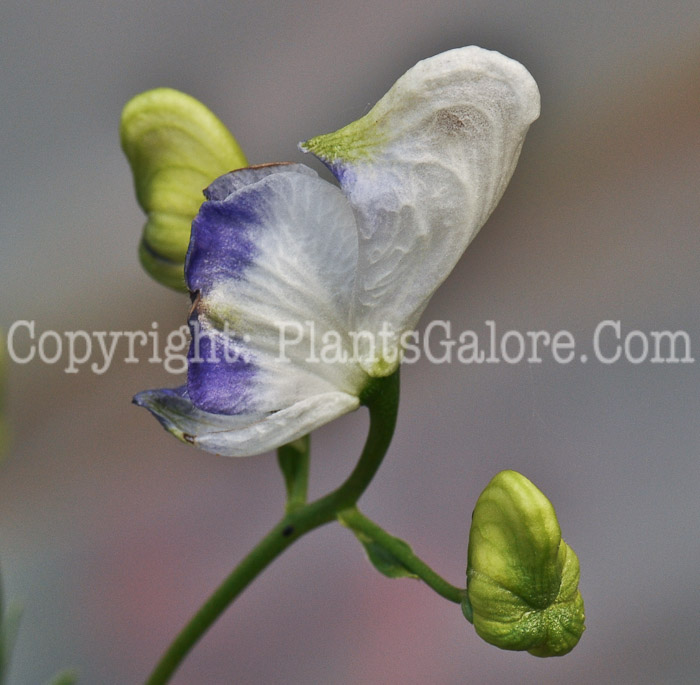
(283,266)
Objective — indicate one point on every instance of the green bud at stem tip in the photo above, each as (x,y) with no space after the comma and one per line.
(522,578)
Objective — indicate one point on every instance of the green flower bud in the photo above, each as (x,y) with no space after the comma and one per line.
(176,147)
(522,578)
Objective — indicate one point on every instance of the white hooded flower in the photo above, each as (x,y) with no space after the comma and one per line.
(276,251)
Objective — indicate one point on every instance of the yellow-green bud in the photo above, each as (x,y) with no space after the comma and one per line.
(522,578)
(176,147)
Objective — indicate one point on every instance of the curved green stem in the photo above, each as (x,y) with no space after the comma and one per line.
(354,519)
(381,398)
(293,459)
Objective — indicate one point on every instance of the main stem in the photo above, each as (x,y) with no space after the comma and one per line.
(382,399)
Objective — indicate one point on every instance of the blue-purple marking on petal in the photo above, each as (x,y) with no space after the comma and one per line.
(222,244)
(223,239)
(177,396)
(343,172)
(141,399)
(219,380)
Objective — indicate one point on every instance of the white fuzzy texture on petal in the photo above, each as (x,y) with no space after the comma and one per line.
(296,286)
(423,171)
(246,435)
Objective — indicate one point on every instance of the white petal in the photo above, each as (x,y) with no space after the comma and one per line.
(274,260)
(423,170)
(246,435)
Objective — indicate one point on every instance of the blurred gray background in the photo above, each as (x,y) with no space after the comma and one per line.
(112,533)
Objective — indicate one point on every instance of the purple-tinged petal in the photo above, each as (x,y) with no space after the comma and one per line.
(229,183)
(220,375)
(276,257)
(221,245)
(246,435)
(423,169)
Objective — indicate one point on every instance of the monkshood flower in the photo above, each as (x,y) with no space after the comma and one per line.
(275,247)
(522,578)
